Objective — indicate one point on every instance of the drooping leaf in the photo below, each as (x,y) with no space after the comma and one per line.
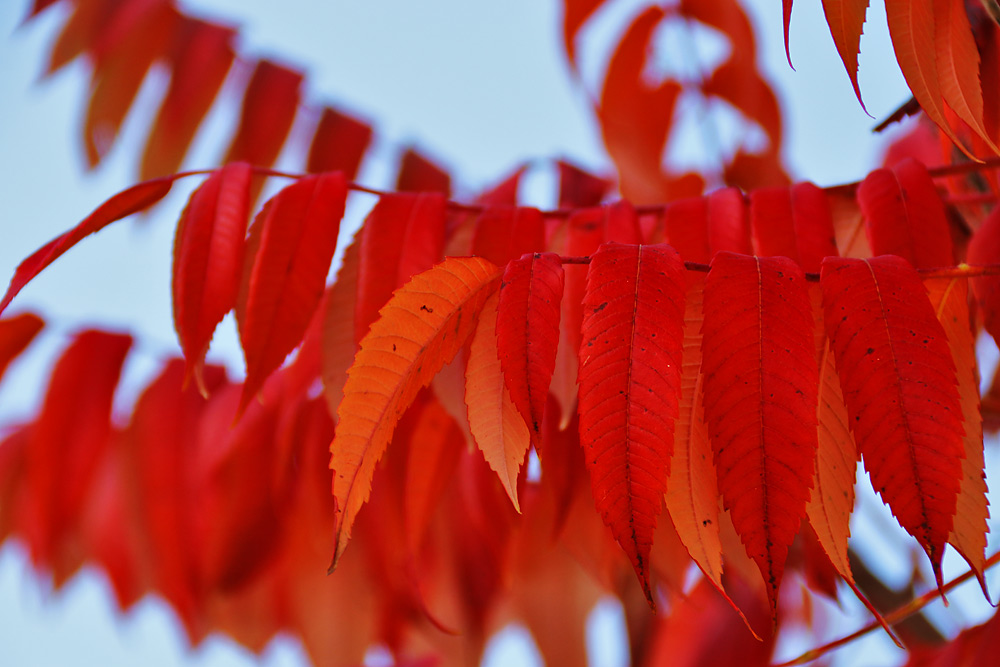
(208,259)
(402,236)
(288,256)
(984,249)
(68,441)
(958,64)
(123,204)
(786,16)
(846,19)
(421,328)
(339,144)
(16,333)
(528,332)
(911,26)
(494,419)
(630,383)
(692,496)
(200,59)
(269,106)
(900,389)
(760,401)
(338,344)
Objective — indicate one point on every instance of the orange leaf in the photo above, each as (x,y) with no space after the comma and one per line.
(288,256)
(422,327)
(900,389)
(760,401)
(495,421)
(208,259)
(846,19)
(123,204)
(630,383)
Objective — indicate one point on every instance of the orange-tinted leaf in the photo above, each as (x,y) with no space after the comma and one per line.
(68,442)
(528,332)
(630,383)
(846,19)
(200,59)
(269,106)
(421,328)
(494,419)
(339,144)
(505,233)
(744,88)
(120,71)
(208,259)
(575,14)
(760,401)
(417,173)
(125,203)
(692,496)
(16,333)
(402,236)
(80,32)
(984,249)
(904,215)
(900,389)
(291,245)
(911,26)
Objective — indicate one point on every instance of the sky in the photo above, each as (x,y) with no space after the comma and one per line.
(480,86)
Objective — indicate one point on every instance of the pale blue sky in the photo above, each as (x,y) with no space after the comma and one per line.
(482,86)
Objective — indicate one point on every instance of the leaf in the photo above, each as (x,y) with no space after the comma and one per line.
(402,236)
(504,233)
(760,401)
(200,59)
(208,259)
(269,105)
(527,332)
(846,19)
(123,204)
(900,389)
(291,245)
(904,215)
(984,249)
(339,144)
(418,173)
(911,27)
(421,328)
(16,333)
(958,64)
(793,222)
(338,345)
(692,496)
(578,188)
(80,32)
(630,383)
(786,16)
(699,227)
(495,421)
(575,15)
(950,299)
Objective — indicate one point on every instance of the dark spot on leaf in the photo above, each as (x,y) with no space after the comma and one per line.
(427,308)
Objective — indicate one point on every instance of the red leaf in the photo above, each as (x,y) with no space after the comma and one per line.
(504,233)
(786,16)
(528,332)
(201,57)
(846,19)
(125,203)
(269,106)
(575,14)
(900,389)
(291,245)
(68,441)
(911,26)
(16,333)
(120,68)
(402,236)
(339,144)
(740,84)
(80,32)
(503,193)
(418,174)
(208,259)
(630,383)
(904,215)
(337,343)
(793,222)
(984,249)
(760,401)
(578,188)
(699,227)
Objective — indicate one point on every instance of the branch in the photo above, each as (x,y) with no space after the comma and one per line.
(892,618)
